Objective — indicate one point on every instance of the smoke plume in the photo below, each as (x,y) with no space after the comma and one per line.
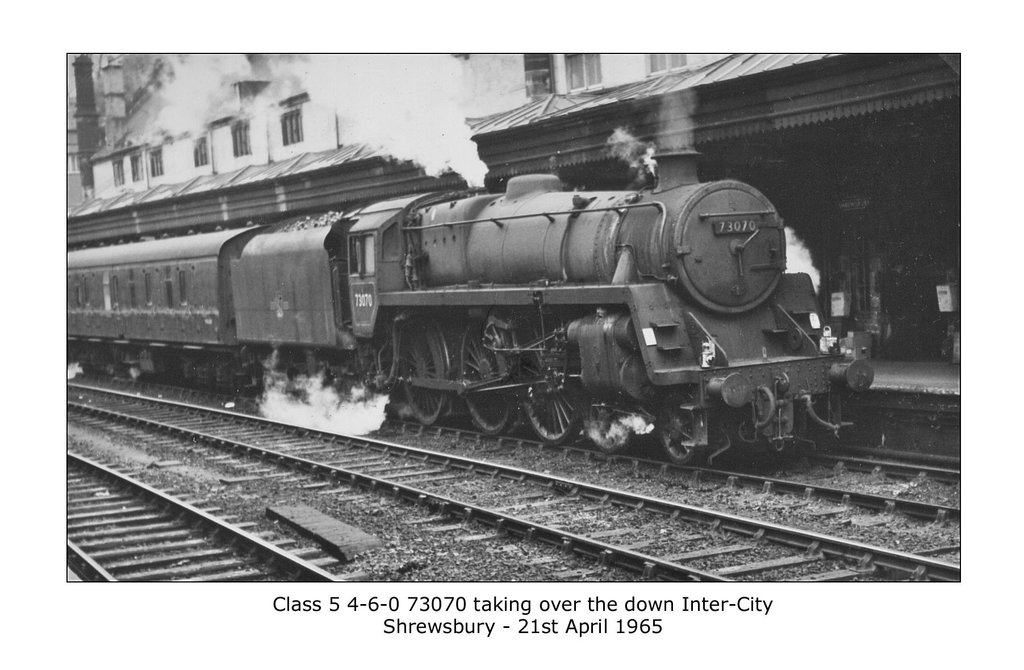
(798,257)
(614,435)
(405,105)
(307,401)
(192,90)
(621,144)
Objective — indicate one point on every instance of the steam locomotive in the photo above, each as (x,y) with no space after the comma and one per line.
(664,310)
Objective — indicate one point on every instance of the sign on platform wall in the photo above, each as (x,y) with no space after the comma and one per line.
(841,303)
(949,297)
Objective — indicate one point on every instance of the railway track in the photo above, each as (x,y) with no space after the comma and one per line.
(706,475)
(943,470)
(120,529)
(655,538)
(888,468)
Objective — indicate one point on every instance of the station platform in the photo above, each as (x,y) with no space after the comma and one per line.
(911,408)
(913,377)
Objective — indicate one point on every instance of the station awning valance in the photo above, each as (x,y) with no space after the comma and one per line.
(698,108)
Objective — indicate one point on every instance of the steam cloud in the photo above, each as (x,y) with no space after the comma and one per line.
(193,90)
(405,105)
(306,401)
(798,257)
(621,144)
(616,434)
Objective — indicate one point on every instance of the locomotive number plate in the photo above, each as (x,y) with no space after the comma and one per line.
(735,226)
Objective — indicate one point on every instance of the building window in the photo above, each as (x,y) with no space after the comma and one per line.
(73,164)
(584,70)
(291,127)
(665,62)
(118,166)
(240,138)
(156,162)
(200,155)
(136,164)
(538,74)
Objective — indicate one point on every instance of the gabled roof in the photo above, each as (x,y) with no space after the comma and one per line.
(724,69)
(253,174)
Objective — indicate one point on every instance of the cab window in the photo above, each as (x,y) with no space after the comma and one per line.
(355,265)
(361,260)
(368,256)
(391,249)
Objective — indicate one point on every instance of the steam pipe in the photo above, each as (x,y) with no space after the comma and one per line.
(772,405)
(550,215)
(809,406)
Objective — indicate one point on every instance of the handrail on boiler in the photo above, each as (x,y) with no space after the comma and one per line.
(549,215)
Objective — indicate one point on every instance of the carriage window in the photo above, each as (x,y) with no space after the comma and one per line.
(115,292)
(85,290)
(182,290)
(131,289)
(169,286)
(149,287)
(106,291)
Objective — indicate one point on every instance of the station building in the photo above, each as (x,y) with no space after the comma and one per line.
(264,160)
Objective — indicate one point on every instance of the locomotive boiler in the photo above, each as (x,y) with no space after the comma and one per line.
(664,310)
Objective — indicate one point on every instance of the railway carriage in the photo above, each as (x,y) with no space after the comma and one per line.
(665,310)
(159,306)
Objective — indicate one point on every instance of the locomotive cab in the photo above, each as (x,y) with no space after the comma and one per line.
(376,259)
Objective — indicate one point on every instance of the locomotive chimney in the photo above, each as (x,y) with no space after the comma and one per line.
(676,168)
(87,119)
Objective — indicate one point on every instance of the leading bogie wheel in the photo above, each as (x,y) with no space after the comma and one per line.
(678,435)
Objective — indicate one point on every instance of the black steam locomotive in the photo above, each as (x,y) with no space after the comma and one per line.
(665,310)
